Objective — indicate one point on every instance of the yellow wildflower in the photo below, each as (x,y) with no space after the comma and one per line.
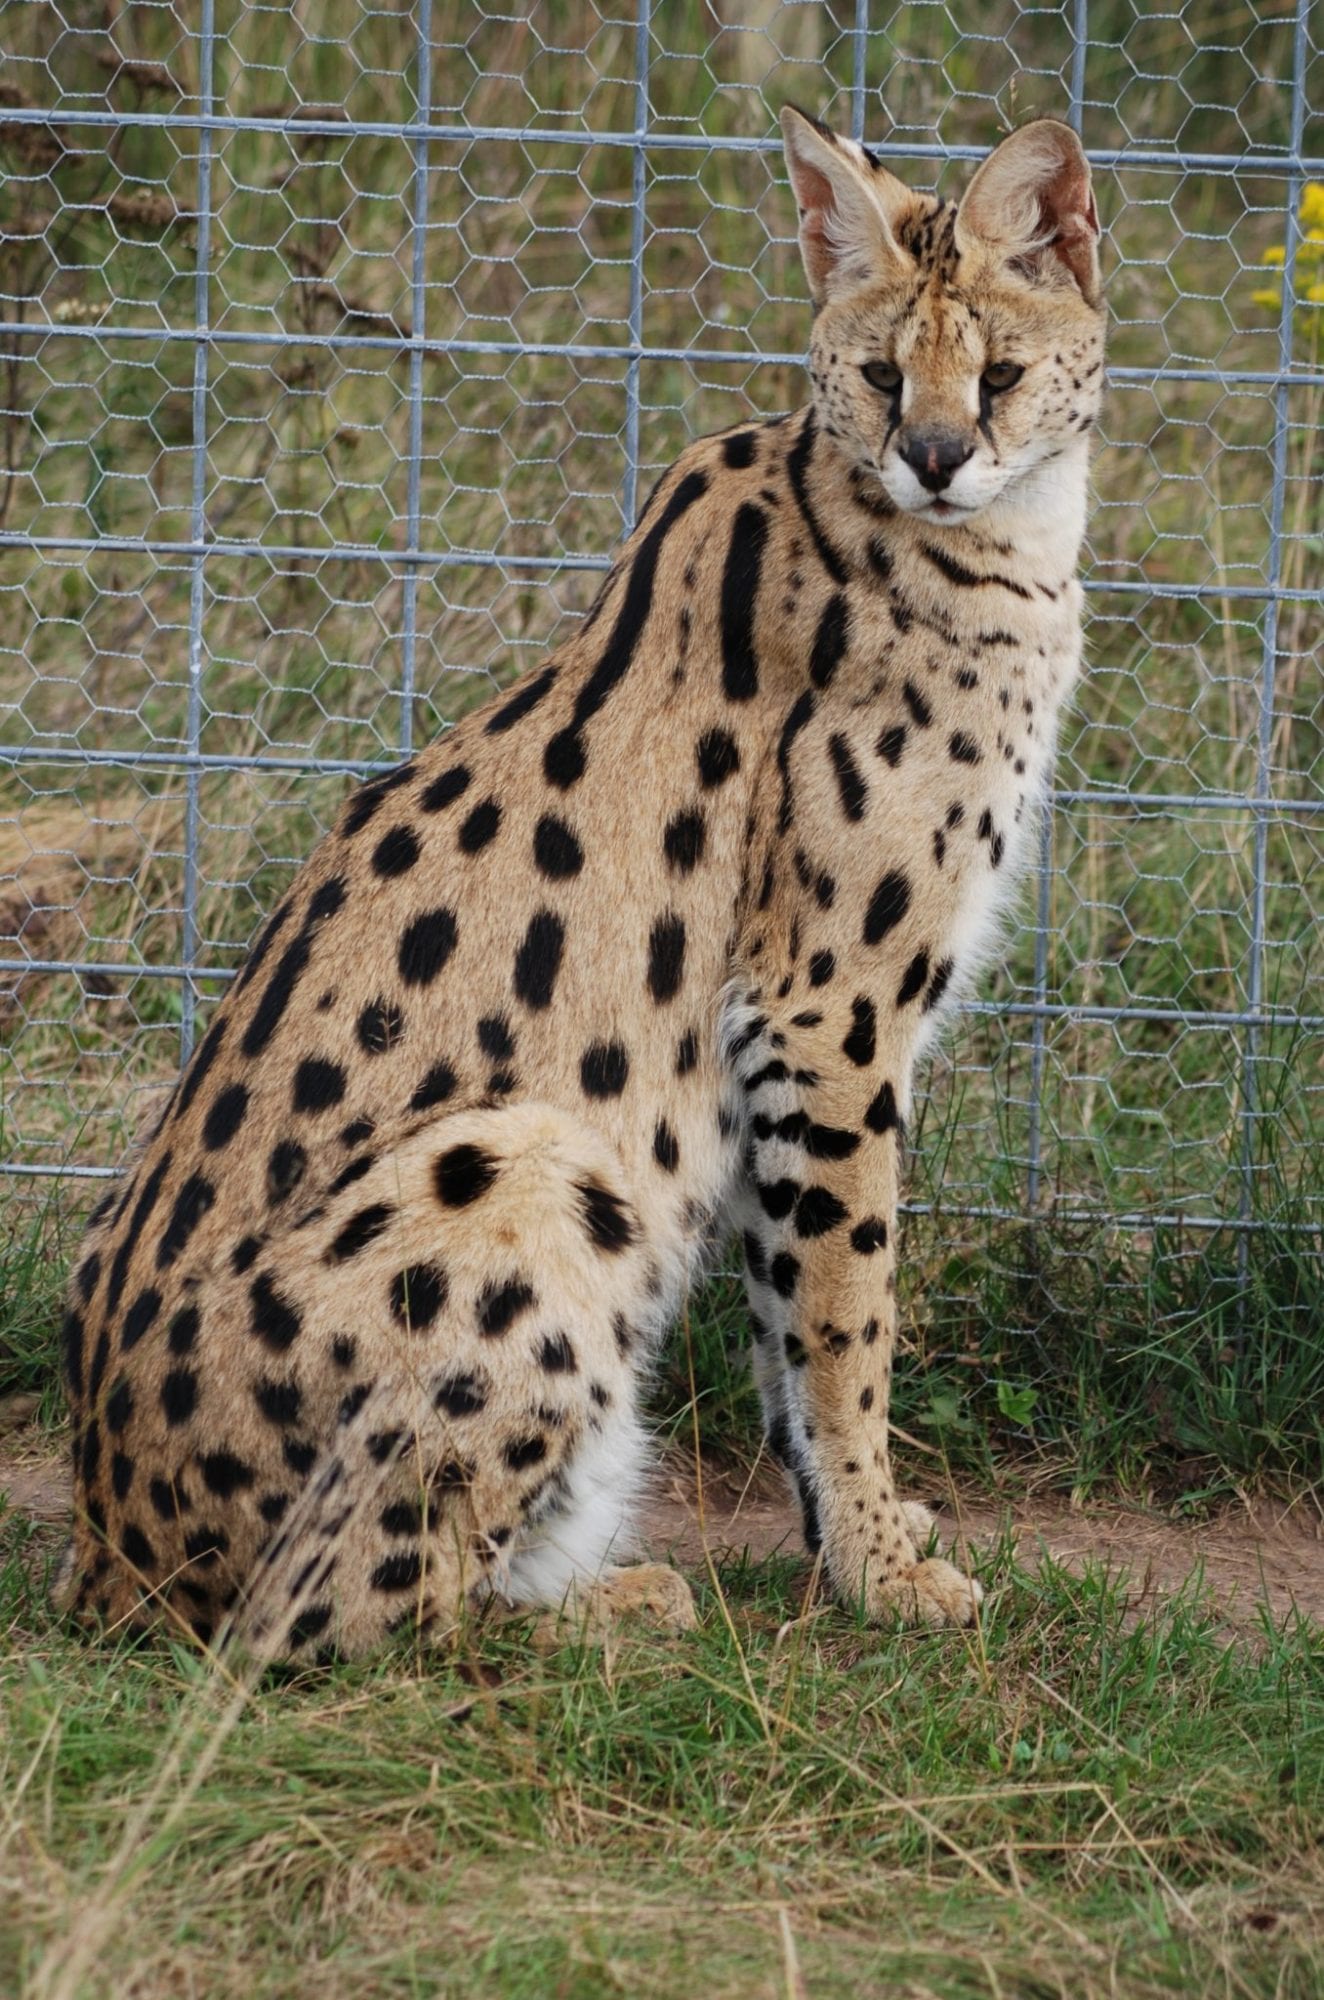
(1311,247)
(1312,204)
(1268,298)
(1275,254)
(1315,294)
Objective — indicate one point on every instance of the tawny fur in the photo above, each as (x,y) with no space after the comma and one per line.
(646,948)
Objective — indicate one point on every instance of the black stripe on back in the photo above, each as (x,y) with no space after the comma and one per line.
(740,588)
(563,759)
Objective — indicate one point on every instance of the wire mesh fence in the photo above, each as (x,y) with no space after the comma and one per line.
(337,345)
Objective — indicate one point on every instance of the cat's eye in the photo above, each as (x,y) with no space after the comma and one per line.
(884,375)
(1002,375)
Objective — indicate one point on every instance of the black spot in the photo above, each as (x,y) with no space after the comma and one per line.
(426,946)
(666,1147)
(71,1347)
(830,641)
(538,960)
(122,1469)
(225,1117)
(557,1356)
(193,1201)
(604,1069)
(480,827)
(436,1087)
(418,1294)
(718,758)
(939,983)
(881,1115)
(279,1402)
(739,597)
(963,749)
(495,1038)
(684,840)
(777,1198)
(140,1316)
(913,981)
(245,1254)
(119,1406)
(754,1257)
(89,1271)
(90,1457)
(285,1169)
(277,993)
(556,852)
(443,791)
(851,787)
(309,1624)
(738,450)
(343,1350)
(330,895)
(524,700)
(400,1571)
(887,906)
(606,1217)
(361,1230)
(351,1404)
(379,1027)
(166,1503)
(401,1517)
(869,1236)
(204,1546)
(462,1174)
(891,744)
(460,1396)
(273,1507)
(272,1318)
(143,1207)
(821,968)
(499,1306)
(396,852)
(318,1085)
(783,1271)
(687,1053)
(210,1046)
(136,1547)
(995,852)
(223,1474)
(830,1142)
(521,1452)
(862,1040)
(818,1211)
(182,1331)
(921,713)
(666,957)
(299,1455)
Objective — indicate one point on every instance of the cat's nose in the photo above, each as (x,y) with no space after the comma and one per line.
(933,457)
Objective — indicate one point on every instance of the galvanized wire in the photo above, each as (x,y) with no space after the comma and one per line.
(321,299)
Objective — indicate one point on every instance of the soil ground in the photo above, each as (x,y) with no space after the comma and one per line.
(1262,1556)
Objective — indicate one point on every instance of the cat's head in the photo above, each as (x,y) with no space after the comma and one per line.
(957,350)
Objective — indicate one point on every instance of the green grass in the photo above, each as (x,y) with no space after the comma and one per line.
(1064,1803)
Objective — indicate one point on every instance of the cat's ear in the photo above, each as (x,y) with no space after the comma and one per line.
(846,202)
(1031,203)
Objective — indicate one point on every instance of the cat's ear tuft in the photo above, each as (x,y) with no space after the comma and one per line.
(1031,202)
(846,202)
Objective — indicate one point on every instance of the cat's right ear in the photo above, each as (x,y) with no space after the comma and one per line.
(846,202)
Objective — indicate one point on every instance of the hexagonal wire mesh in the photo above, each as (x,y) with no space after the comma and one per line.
(336,345)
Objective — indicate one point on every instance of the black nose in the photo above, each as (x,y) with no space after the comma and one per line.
(933,457)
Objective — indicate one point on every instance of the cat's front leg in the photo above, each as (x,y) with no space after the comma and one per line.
(825,1106)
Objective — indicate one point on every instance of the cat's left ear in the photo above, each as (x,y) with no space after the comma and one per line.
(1031,201)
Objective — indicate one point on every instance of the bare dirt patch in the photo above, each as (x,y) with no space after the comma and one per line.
(1262,1556)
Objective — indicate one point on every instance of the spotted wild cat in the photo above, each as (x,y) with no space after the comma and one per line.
(645,950)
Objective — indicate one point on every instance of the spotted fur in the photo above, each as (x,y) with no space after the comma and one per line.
(647,948)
